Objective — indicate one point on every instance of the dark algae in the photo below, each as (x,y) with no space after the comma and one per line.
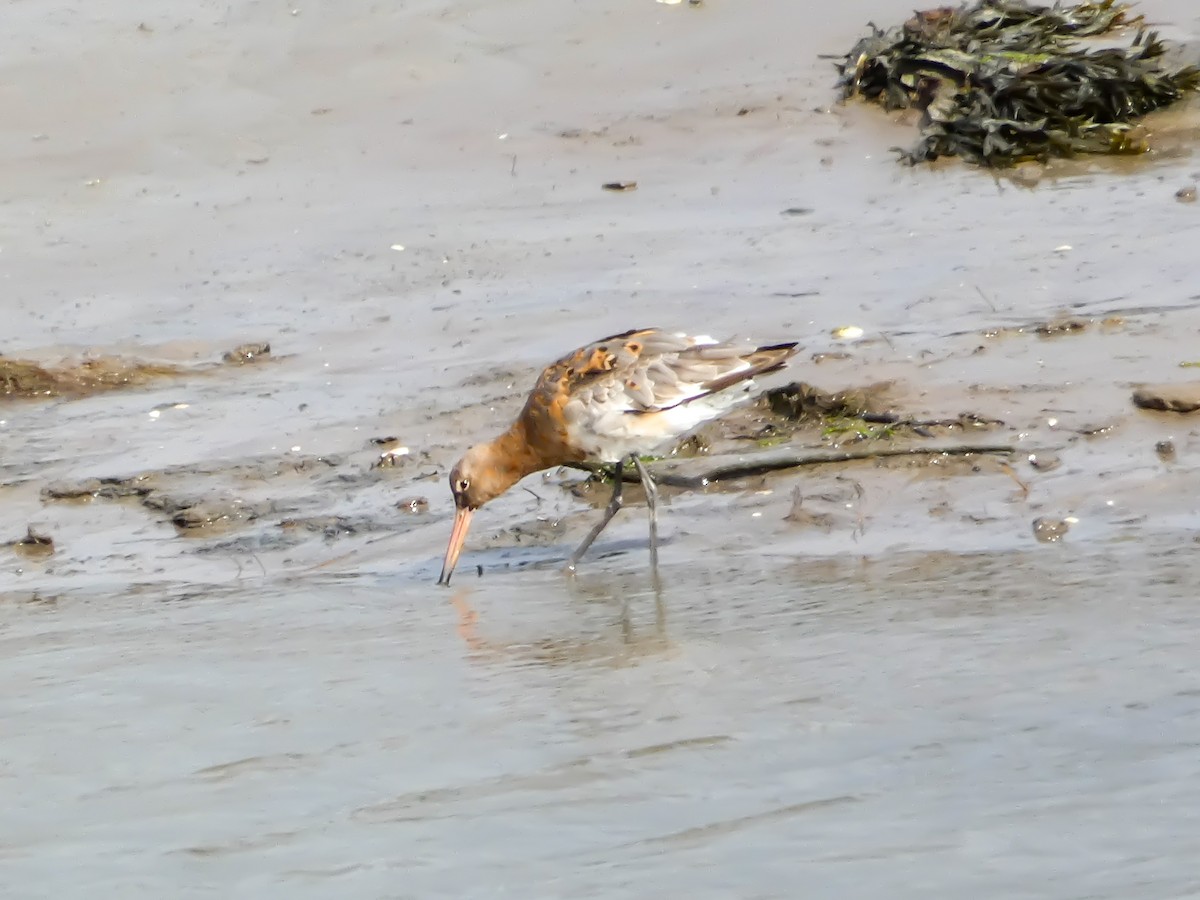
(1000,82)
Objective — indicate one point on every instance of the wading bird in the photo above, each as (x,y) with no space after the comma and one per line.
(610,402)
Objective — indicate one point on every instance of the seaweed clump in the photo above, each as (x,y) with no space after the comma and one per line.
(1005,81)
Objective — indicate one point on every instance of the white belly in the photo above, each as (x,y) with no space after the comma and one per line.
(609,432)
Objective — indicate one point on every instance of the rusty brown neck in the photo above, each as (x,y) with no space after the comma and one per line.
(514,455)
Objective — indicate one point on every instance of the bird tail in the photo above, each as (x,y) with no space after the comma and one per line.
(761,361)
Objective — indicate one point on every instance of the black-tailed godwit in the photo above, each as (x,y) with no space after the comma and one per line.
(612,401)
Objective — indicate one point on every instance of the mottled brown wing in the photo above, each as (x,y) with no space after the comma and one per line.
(649,370)
(590,370)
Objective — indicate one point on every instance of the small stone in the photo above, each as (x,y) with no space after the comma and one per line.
(190,516)
(34,544)
(1186,194)
(201,515)
(1179,398)
(1044,462)
(1165,450)
(1065,325)
(1048,530)
(247,353)
(413,505)
(391,452)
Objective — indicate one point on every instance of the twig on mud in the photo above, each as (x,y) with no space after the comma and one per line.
(985,297)
(915,424)
(724,468)
(860,529)
(1012,473)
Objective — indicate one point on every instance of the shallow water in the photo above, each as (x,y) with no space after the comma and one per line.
(914,699)
(1022,723)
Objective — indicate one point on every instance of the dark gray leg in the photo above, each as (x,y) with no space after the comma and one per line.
(652,506)
(614,506)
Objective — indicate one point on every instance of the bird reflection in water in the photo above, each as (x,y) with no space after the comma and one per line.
(623,642)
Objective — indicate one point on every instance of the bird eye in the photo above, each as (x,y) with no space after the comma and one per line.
(463,484)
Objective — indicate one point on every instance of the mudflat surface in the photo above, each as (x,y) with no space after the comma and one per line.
(232,675)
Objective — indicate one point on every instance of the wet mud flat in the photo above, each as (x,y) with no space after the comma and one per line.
(894,464)
(891,608)
(927,616)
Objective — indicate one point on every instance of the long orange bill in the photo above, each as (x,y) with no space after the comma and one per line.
(458,534)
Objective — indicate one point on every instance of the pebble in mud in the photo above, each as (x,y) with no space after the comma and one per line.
(1044,462)
(1049,530)
(413,505)
(1180,398)
(247,353)
(98,489)
(188,515)
(1165,450)
(1096,429)
(34,545)
(1061,325)
(391,452)
(1186,194)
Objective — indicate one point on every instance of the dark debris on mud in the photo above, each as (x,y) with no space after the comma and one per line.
(34,544)
(1006,81)
(1176,398)
(280,499)
(22,379)
(1056,326)
(854,415)
(1050,530)
(247,353)
(185,513)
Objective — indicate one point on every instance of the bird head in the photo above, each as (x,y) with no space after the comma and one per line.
(475,479)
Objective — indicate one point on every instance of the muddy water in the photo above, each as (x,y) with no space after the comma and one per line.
(901,694)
